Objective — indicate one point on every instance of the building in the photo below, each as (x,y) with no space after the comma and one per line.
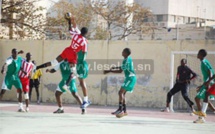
(170,13)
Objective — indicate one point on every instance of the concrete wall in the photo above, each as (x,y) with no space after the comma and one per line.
(150,90)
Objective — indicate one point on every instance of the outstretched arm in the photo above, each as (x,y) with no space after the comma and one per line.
(50,70)
(113,70)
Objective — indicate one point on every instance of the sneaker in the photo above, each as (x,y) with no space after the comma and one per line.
(116,112)
(121,114)
(200,113)
(199,120)
(38,102)
(83,111)
(59,111)
(27,109)
(21,110)
(85,104)
(165,110)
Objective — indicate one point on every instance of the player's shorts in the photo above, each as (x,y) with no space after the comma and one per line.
(211,90)
(82,69)
(72,86)
(25,84)
(34,83)
(11,80)
(70,55)
(129,83)
(202,93)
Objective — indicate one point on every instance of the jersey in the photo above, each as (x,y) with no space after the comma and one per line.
(128,67)
(27,67)
(64,69)
(205,67)
(13,65)
(78,41)
(184,73)
(81,56)
(37,74)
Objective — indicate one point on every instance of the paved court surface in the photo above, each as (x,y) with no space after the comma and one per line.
(41,120)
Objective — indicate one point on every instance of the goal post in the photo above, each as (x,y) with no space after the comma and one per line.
(192,62)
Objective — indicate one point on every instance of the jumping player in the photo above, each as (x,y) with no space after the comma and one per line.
(64,67)
(82,71)
(182,82)
(207,72)
(79,42)
(13,63)
(129,82)
(24,75)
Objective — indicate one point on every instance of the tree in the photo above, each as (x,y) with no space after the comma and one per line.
(23,18)
(122,19)
(56,21)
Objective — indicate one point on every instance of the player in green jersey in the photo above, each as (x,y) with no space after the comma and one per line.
(82,71)
(65,70)
(207,72)
(129,82)
(13,64)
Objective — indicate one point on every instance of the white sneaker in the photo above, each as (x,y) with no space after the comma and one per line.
(27,109)
(165,110)
(199,120)
(21,110)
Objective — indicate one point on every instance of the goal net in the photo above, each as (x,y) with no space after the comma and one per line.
(194,64)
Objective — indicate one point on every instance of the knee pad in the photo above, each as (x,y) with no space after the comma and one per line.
(54,62)
(26,96)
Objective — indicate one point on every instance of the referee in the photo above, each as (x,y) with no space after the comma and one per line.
(35,82)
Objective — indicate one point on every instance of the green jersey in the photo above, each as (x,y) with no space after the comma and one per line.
(81,56)
(205,67)
(13,65)
(128,67)
(64,69)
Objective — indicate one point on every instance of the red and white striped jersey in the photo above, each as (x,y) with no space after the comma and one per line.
(27,67)
(78,41)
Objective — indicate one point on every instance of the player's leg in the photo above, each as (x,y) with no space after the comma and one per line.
(51,63)
(30,88)
(173,91)
(17,83)
(86,102)
(25,88)
(124,105)
(184,88)
(2,93)
(36,85)
(58,94)
(59,102)
(74,92)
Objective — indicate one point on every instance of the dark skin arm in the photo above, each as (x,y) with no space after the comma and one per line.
(113,70)
(21,52)
(2,70)
(50,70)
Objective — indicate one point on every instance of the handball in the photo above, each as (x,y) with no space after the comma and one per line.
(68,16)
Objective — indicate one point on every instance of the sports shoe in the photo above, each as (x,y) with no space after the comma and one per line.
(21,110)
(85,104)
(116,112)
(27,109)
(200,113)
(38,102)
(121,114)
(58,111)
(83,111)
(165,110)
(199,120)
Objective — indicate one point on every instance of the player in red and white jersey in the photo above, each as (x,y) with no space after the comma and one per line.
(78,43)
(24,75)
